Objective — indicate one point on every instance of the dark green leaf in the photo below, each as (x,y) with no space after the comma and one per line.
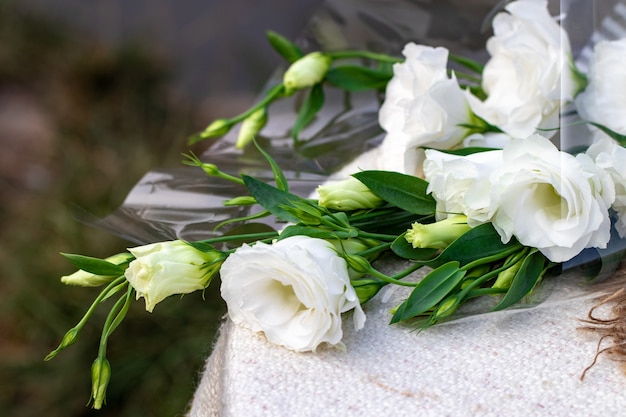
(355,78)
(307,231)
(285,48)
(279,176)
(401,190)
(95,266)
(311,106)
(272,199)
(431,290)
(482,241)
(524,281)
(405,250)
(621,139)
(464,151)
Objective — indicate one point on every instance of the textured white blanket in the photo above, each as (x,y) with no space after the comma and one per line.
(513,364)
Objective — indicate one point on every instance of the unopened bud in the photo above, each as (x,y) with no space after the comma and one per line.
(358,263)
(366,289)
(87,279)
(100,377)
(306,72)
(437,235)
(217,129)
(446,307)
(505,278)
(68,340)
(250,127)
(349,194)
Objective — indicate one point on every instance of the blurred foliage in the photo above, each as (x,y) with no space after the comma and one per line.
(80,123)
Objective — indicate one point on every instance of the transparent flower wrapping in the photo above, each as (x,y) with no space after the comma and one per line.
(186,204)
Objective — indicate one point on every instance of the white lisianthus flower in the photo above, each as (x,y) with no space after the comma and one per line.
(423,106)
(530,73)
(460,184)
(550,200)
(167,268)
(611,157)
(294,291)
(604,99)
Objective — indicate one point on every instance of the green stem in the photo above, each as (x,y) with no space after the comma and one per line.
(365,55)
(107,329)
(99,299)
(395,279)
(255,236)
(492,258)
(271,95)
(374,250)
(378,236)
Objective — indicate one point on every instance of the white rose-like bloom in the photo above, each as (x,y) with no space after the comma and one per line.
(294,291)
(423,106)
(551,200)
(529,75)
(611,157)
(604,99)
(167,268)
(460,184)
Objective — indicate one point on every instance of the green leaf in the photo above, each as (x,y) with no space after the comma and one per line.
(482,241)
(279,176)
(621,139)
(405,250)
(431,290)
(307,231)
(401,190)
(464,151)
(311,106)
(529,273)
(356,78)
(285,48)
(95,266)
(272,199)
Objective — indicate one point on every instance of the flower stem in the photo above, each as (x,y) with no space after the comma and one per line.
(365,55)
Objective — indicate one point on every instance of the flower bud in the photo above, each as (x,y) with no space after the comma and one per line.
(250,127)
(437,235)
(358,263)
(505,277)
(87,279)
(166,268)
(218,128)
(366,289)
(244,200)
(446,308)
(100,377)
(306,72)
(349,194)
(68,340)
(308,214)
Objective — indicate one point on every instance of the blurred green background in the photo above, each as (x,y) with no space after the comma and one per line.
(83,115)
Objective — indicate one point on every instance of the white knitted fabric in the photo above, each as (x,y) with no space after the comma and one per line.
(511,364)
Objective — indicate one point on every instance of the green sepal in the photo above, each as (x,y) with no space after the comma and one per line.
(524,281)
(311,106)
(285,48)
(401,190)
(356,78)
(430,291)
(94,266)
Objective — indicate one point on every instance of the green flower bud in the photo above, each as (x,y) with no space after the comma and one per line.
(349,194)
(505,278)
(366,289)
(446,308)
(306,72)
(100,377)
(245,200)
(166,268)
(87,279)
(437,235)
(68,340)
(217,129)
(358,263)
(308,214)
(250,127)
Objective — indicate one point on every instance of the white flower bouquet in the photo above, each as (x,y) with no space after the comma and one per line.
(465,184)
